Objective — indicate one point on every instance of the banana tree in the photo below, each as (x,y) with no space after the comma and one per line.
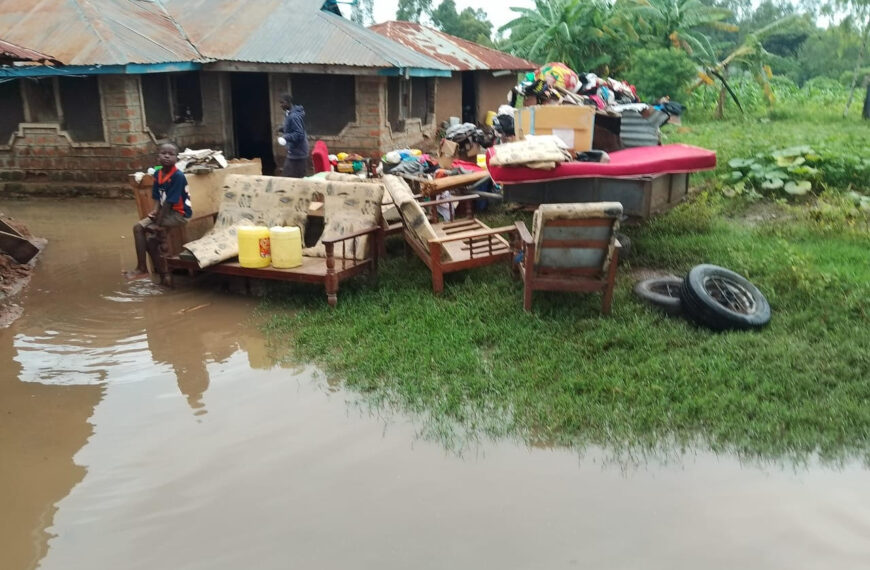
(750,54)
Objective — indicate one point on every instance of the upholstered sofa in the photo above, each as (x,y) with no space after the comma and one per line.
(349,244)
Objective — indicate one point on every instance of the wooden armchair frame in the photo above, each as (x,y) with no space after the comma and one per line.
(577,279)
(469,241)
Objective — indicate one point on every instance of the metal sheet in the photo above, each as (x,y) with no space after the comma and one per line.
(121,32)
(458,54)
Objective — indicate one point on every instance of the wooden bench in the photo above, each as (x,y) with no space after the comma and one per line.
(329,271)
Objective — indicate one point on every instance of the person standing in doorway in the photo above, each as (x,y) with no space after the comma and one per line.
(294,136)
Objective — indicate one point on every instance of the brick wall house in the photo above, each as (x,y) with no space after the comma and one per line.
(127,76)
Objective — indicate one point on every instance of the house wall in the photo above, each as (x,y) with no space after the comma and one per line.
(492,92)
(44,153)
(370,133)
(448,99)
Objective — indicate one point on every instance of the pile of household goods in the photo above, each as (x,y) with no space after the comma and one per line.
(621,121)
(202,161)
(348,163)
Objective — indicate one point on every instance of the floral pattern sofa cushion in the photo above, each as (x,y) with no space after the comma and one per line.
(412,214)
(348,207)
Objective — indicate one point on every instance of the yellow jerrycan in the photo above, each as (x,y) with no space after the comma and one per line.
(286,243)
(254,250)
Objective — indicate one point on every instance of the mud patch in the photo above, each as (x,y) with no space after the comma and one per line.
(14,276)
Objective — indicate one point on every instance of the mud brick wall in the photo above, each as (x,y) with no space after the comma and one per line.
(370,133)
(211,132)
(45,153)
(42,153)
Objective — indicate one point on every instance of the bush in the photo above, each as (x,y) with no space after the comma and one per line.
(661,72)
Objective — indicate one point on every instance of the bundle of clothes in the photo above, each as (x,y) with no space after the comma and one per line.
(556,83)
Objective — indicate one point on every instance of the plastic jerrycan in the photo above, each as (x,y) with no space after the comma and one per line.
(286,245)
(254,247)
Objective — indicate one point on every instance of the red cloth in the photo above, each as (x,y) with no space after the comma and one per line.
(465,165)
(629,163)
(320,157)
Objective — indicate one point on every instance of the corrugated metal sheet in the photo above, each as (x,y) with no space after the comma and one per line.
(457,53)
(12,52)
(88,32)
(120,32)
(287,31)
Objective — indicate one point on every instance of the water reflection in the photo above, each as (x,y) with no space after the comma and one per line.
(107,450)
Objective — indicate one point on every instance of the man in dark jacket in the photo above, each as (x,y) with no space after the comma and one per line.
(293,133)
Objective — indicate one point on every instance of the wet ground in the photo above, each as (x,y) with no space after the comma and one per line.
(142,428)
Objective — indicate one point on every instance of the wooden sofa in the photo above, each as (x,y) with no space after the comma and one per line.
(454,245)
(349,245)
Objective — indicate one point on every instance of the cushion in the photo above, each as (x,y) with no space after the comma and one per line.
(413,216)
(534,153)
(629,163)
(348,208)
(254,200)
(576,256)
(217,245)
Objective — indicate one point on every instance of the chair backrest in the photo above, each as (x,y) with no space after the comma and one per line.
(320,157)
(575,238)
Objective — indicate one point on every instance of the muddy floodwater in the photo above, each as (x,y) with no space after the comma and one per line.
(142,428)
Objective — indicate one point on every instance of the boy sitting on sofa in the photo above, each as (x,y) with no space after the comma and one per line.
(171,208)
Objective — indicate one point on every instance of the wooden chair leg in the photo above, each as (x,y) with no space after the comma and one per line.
(437,281)
(527,296)
(611,281)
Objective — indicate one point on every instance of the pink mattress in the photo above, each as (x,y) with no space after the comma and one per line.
(629,163)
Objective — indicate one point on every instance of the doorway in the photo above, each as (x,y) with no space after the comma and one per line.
(252,121)
(469,97)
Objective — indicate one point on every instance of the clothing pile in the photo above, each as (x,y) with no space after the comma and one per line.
(410,161)
(467,135)
(622,119)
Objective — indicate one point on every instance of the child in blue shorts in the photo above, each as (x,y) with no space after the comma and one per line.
(171,208)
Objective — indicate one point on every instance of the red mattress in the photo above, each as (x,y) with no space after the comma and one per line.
(629,163)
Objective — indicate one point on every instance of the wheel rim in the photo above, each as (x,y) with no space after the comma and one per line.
(730,294)
(666,289)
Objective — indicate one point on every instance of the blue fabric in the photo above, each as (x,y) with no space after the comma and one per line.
(174,192)
(294,132)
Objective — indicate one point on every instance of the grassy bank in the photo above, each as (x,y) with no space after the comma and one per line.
(473,361)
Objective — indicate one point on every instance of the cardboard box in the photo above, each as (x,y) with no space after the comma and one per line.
(446,153)
(571,123)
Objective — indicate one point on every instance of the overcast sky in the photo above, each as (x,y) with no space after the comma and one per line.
(499,11)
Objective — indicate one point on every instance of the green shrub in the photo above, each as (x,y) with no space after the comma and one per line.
(661,72)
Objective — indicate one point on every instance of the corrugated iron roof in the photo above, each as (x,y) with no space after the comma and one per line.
(287,31)
(96,32)
(12,52)
(120,32)
(457,53)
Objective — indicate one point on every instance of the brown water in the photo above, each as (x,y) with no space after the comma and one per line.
(149,429)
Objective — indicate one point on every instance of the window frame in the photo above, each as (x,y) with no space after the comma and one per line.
(59,124)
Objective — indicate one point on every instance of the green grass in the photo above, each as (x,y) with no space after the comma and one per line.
(472,362)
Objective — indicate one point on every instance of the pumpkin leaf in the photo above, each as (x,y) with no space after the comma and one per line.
(798,188)
(772,184)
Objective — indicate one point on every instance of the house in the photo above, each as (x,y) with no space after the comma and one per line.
(482,76)
(201,73)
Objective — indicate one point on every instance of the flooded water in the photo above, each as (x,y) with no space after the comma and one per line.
(148,429)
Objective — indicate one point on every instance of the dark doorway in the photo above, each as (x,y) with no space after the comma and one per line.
(252,121)
(469,97)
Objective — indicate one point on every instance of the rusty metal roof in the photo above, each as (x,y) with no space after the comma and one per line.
(96,32)
(456,53)
(287,31)
(12,52)
(121,32)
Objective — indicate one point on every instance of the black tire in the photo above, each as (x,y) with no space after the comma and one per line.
(722,299)
(662,292)
(625,242)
